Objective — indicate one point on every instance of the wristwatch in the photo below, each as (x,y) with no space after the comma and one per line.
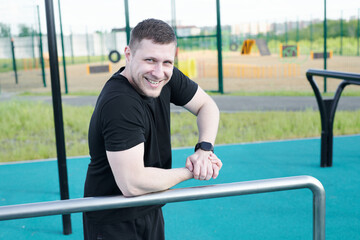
(206,146)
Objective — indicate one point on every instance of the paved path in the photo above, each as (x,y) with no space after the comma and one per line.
(225,103)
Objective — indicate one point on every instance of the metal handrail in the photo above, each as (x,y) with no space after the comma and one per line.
(178,195)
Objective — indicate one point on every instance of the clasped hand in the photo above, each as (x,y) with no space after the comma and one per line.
(204,165)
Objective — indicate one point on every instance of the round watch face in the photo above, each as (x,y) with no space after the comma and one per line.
(206,146)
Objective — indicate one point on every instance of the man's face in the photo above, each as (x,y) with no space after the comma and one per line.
(150,67)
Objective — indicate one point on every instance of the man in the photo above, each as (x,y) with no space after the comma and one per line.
(129,135)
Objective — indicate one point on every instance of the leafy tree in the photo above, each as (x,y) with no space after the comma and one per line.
(24,31)
(4,30)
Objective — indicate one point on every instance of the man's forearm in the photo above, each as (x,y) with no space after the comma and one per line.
(134,179)
(208,122)
(155,179)
(207,113)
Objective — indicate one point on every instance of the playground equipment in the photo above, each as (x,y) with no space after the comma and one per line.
(263,47)
(179,195)
(327,108)
(235,70)
(98,68)
(289,50)
(117,57)
(247,45)
(260,43)
(320,55)
(114,57)
(188,67)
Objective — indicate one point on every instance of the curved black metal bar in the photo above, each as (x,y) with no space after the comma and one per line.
(337,96)
(319,99)
(334,74)
(327,108)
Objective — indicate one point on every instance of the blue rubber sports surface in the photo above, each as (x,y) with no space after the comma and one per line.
(277,215)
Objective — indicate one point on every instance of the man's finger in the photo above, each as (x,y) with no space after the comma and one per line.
(203,172)
(196,171)
(209,172)
(189,165)
(216,171)
(217,162)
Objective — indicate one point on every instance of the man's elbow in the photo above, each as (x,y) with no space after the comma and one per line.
(131,191)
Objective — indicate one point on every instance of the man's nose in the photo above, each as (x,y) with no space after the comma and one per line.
(158,71)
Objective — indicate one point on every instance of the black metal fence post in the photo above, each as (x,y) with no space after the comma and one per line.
(57,108)
(14,60)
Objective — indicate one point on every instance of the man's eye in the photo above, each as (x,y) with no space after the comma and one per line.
(149,60)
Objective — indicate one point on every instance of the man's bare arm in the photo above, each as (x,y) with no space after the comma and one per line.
(207,112)
(134,179)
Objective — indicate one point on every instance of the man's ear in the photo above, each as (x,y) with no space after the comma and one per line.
(127,53)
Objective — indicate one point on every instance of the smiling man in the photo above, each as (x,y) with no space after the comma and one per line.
(129,135)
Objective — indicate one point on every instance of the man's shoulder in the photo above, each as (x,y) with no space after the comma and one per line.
(118,85)
(118,93)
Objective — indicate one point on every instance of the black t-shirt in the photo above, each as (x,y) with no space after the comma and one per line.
(122,119)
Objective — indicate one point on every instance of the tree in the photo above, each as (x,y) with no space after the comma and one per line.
(24,31)
(4,30)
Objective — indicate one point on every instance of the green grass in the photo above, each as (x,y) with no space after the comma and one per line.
(347,93)
(284,93)
(76,93)
(6,64)
(261,126)
(27,128)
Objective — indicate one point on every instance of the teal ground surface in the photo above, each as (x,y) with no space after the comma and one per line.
(279,215)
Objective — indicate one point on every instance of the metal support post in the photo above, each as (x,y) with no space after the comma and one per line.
(327,108)
(41,50)
(219,47)
(327,135)
(14,60)
(127,21)
(63,51)
(325,47)
(57,108)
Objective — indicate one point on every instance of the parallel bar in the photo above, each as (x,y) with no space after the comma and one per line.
(334,74)
(327,108)
(179,195)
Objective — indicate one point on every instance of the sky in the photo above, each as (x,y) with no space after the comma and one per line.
(80,16)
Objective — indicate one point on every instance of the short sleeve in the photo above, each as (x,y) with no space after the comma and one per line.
(122,123)
(183,88)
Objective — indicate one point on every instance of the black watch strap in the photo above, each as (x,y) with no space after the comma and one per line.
(206,146)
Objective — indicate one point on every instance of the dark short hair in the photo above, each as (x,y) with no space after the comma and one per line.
(152,29)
